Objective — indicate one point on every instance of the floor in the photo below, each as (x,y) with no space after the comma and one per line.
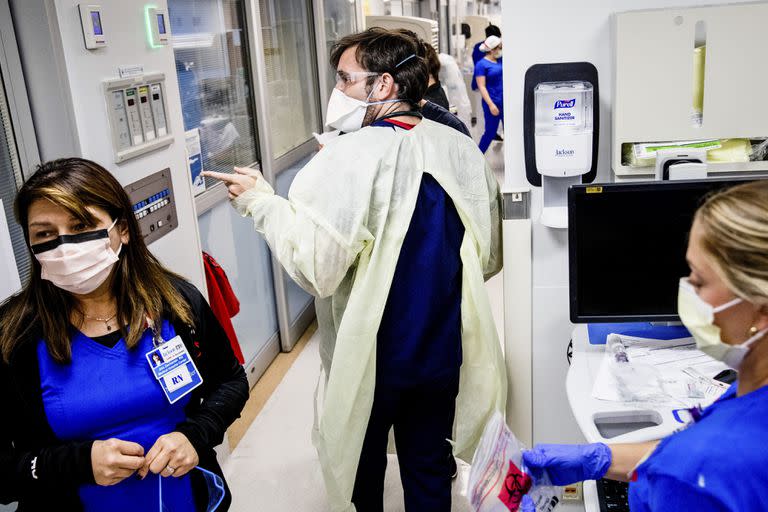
(273,466)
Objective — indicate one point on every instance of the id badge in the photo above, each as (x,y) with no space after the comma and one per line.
(174,369)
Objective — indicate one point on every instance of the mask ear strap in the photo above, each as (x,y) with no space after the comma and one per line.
(756,335)
(727,305)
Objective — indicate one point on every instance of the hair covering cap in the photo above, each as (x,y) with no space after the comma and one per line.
(490,44)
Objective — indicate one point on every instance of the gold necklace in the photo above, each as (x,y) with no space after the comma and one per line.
(105,320)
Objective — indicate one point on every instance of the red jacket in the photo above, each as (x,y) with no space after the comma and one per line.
(223,301)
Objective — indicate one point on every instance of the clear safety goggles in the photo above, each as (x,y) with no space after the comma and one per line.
(345,79)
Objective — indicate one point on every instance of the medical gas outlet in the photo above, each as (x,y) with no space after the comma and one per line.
(137,115)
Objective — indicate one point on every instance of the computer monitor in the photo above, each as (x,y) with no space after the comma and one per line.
(627,244)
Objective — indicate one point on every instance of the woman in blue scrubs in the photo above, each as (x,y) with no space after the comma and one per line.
(720,461)
(490,83)
(116,380)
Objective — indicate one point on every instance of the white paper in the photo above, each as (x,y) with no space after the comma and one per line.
(679,375)
(9,274)
(195,160)
(131,71)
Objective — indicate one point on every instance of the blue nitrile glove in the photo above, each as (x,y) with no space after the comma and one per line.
(568,463)
(527,505)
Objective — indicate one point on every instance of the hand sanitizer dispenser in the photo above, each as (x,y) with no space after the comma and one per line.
(563,143)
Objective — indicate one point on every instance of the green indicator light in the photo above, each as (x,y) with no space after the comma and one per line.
(150,32)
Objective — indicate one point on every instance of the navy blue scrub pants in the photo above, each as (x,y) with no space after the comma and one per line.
(422,417)
(491,125)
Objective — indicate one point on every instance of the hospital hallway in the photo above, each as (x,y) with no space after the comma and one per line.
(241,239)
(273,466)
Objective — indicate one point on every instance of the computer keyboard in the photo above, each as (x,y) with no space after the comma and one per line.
(613,496)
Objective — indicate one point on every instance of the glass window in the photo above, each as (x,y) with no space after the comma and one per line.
(411,8)
(291,81)
(340,20)
(212,64)
(11,179)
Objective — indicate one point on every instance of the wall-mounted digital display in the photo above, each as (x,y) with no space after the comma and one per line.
(91,24)
(96,21)
(157,26)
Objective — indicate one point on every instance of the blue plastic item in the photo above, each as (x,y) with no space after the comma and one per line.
(598,333)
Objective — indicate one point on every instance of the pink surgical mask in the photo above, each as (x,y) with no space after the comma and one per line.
(77,263)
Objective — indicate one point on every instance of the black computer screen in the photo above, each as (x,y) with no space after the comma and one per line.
(627,245)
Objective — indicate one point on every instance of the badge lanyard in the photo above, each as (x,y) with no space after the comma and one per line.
(216,490)
(157,338)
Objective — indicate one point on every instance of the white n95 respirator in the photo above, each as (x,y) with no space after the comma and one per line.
(344,112)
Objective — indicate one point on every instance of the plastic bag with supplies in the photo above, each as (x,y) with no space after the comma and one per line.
(499,480)
(635,381)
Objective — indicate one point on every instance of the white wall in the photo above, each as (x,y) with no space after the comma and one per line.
(550,31)
(77,75)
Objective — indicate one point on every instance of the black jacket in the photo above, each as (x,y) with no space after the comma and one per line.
(436,95)
(43,473)
(438,114)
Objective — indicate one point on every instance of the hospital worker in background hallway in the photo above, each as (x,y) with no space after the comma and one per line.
(430,110)
(86,424)
(393,227)
(490,83)
(478,53)
(434,92)
(720,461)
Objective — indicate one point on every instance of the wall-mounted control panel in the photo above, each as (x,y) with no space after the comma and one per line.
(154,205)
(92,25)
(137,115)
(160,30)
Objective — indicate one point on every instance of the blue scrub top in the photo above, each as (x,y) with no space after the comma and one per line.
(419,339)
(111,392)
(477,55)
(717,464)
(494,78)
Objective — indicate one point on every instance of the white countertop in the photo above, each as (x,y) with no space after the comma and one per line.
(585,365)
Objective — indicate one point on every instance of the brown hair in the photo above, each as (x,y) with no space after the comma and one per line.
(388,51)
(734,227)
(433,61)
(426,52)
(141,285)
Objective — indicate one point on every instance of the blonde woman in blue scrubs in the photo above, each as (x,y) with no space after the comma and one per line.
(720,462)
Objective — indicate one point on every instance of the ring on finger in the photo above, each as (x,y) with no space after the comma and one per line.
(170,469)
